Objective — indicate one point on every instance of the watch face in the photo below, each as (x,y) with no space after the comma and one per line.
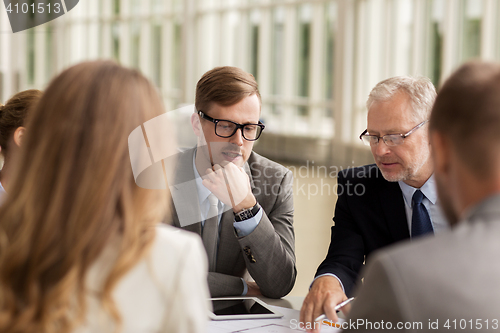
(245,214)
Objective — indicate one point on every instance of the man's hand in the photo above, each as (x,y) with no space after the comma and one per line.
(253,289)
(231,185)
(326,292)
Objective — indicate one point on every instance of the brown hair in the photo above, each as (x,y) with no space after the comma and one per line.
(467,111)
(74,193)
(13,114)
(225,86)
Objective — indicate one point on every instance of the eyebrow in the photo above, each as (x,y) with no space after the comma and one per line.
(391,131)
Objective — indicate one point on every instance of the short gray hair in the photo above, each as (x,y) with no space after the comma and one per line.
(419,90)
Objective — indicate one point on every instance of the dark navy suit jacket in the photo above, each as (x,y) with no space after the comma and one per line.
(369,215)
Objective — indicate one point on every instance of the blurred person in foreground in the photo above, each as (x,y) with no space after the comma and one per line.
(449,283)
(239,202)
(81,249)
(12,116)
(383,203)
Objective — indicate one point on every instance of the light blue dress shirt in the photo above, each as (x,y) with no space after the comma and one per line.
(243,228)
(430,201)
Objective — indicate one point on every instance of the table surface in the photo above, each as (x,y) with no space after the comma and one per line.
(290,302)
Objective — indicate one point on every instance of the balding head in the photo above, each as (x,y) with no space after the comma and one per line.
(465,137)
(467,111)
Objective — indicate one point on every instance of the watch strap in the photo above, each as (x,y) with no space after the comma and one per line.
(246,214)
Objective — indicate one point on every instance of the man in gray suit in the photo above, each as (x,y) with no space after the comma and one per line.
(240,203)
(450,282)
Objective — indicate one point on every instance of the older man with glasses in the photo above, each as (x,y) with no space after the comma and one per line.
(239,202)
(395,199)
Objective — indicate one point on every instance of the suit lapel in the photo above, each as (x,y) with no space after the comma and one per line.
(185,193)
(391,199)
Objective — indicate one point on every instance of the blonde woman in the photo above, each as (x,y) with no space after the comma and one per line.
(80,245)
(12,116)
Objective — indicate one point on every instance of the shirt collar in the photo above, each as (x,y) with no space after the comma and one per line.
(428,189)
(203,192)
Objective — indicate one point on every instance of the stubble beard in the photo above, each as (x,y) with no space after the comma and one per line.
(409,172)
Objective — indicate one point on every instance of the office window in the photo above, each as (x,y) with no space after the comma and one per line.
(30,41)
(116,7)
(277,50)
(156,6)
(135,43)
(402,37)
(277,54)
(498,33)
(177,56)
(436,41)
(330,31)
(49,51)
(254,43)
(472,24)
(304,56)
(115,36)
(156,53)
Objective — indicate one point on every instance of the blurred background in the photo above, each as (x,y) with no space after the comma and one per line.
(315,62)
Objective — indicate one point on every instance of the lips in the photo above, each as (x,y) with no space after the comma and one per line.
(388,165)
(231,155)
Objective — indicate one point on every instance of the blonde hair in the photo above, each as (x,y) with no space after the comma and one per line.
(72,195)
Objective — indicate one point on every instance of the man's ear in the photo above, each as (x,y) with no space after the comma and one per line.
(18,135)
(441,152)
(195,123)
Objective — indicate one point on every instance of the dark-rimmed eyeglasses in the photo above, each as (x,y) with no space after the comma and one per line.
(227,128)
(389,139)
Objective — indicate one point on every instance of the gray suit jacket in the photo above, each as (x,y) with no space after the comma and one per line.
(268,253)
(453,276)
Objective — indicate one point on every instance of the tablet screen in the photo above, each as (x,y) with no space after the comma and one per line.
(238,307)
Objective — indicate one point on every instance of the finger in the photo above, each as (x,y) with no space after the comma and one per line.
(346,309)
(306,313)
(329,308)
(208,184)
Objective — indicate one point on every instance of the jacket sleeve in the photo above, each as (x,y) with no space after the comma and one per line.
(269,251)
(346,252)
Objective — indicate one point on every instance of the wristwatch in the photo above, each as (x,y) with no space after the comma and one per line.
(247,213)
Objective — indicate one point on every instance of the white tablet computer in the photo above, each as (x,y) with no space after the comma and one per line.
(227,308)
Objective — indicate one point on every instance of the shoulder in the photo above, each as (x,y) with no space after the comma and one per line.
(173,245)
(427,258)
(172,238)
(370,171)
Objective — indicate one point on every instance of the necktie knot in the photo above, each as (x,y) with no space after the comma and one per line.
(418,196)
(212,199)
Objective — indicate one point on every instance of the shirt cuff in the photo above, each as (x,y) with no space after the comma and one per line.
(245,228)
(329,274)
(245,287)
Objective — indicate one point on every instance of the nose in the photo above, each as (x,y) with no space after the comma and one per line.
(237,137)
(380,149)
